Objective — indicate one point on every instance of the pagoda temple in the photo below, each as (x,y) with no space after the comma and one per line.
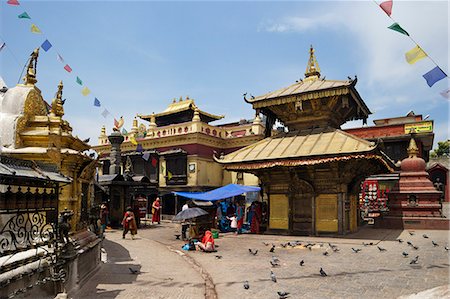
(311,172)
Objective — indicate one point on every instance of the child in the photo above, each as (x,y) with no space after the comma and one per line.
(234,223)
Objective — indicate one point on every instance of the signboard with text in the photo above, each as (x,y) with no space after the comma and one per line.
(422,127)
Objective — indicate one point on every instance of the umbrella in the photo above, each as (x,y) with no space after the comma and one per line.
(189,213)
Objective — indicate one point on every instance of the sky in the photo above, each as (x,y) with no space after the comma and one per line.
(136,56)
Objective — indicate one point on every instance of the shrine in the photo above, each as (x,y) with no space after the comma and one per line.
(312,172)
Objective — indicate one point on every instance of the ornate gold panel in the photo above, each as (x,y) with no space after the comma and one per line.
(279,211)
(326,213)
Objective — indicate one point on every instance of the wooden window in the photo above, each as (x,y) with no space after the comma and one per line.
(176,170)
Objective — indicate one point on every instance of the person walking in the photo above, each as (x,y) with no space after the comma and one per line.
(129,223)
(185,225)
(156,211)
(104,216)
(239,217)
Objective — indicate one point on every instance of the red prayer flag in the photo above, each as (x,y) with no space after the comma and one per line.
(386,6)
(13,2)
(154,162)
(68,68)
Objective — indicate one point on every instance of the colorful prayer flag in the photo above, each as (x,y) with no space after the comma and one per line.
(169,175)
(97,103)
(386,6)
(154,162)
(85,91)
(133,140)
(124,131)
(59,58)
(146,156)
(79,81)
(105,113)
(398,28)
(68,68)
(139,148)
(415,54)
(446,93)
(46,45)
(13,2)
(434,76)
(24,15)
(2,46)
(35,29)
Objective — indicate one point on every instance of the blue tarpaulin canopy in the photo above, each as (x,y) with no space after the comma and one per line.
(219,193)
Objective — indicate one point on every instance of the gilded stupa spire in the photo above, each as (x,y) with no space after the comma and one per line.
(413,150)
(30,76)
(312,69)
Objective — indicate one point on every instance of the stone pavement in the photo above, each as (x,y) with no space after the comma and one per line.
(367,274)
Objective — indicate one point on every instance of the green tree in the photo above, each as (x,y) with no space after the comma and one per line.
(443,149)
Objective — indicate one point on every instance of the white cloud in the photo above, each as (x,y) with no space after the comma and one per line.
(299,23)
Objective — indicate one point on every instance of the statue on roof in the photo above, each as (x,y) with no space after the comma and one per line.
(57,103)
(30,76)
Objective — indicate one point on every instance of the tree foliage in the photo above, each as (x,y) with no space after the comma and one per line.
(443,149)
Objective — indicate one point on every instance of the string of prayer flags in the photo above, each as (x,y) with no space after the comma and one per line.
(105,113)
(398,28)
(68,68)
(446,93)
(434,76)
(386,6)
(97,103)
(85,91)
(24,15)
(13,2)
(154,161)
(46,45)
(2,46)
(139,148)
(415,54)
(35,29)
(59,58)
(146,156)
(133,140)
(79,81)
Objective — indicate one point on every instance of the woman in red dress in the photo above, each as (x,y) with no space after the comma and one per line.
(256,219)
(129,223)
(156,211)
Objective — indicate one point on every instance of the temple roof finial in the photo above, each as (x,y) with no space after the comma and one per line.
(413,150)
(30,76)
(312,69)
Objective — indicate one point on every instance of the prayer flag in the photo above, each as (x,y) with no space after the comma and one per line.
(24,15)
(146,156)
(133,140)
(46,45)
(59,58)
(446,93)
(169,175)
(386,6)
(97,103)
(124,132)
(434,76)
(13,2)
(154,162)
(396,27)
(414,55)
(79,81)
(68,68)
(85,91)
(2,46)
(139,148)
(35,29)
(105,113)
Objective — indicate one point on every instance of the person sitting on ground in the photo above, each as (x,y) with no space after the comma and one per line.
(207,243)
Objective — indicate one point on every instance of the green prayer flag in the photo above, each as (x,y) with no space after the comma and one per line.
(24,15)
(79,81)
(398,28)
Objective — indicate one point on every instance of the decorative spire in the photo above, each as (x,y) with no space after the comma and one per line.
(57,103)
(312,69)
(413,150)
(30,76)
(196,116)
(103,131)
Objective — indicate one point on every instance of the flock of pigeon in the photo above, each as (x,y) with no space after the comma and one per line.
(275,262)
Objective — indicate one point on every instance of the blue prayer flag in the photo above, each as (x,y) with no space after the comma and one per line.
(434,76)
(46,45)
(96,102)
(139,148)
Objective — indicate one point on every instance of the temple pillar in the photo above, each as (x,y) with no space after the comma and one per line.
(116,140)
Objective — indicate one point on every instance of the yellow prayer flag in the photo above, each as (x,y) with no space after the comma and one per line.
(85,91)
(133,140)
(414,55)
(35,29)
(169,175)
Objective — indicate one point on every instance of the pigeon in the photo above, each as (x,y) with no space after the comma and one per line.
(446,248)
(366,244)
(414,260)
(302,262)
(218,257)
(266,244)
(322,273)
(381,249)
(275,259)
(425,236)
(272,249)
(434,243)
(63,101)
(416,247)
(86,140)
(274,264)
(283,295)
(246,285)
(409,243)
(273,277)
(411,233)
(405,254)
(356,250)
(325,253)
(400,240)
(253,252)
(283,245)
(252,96)
(333,247)
(133,271)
